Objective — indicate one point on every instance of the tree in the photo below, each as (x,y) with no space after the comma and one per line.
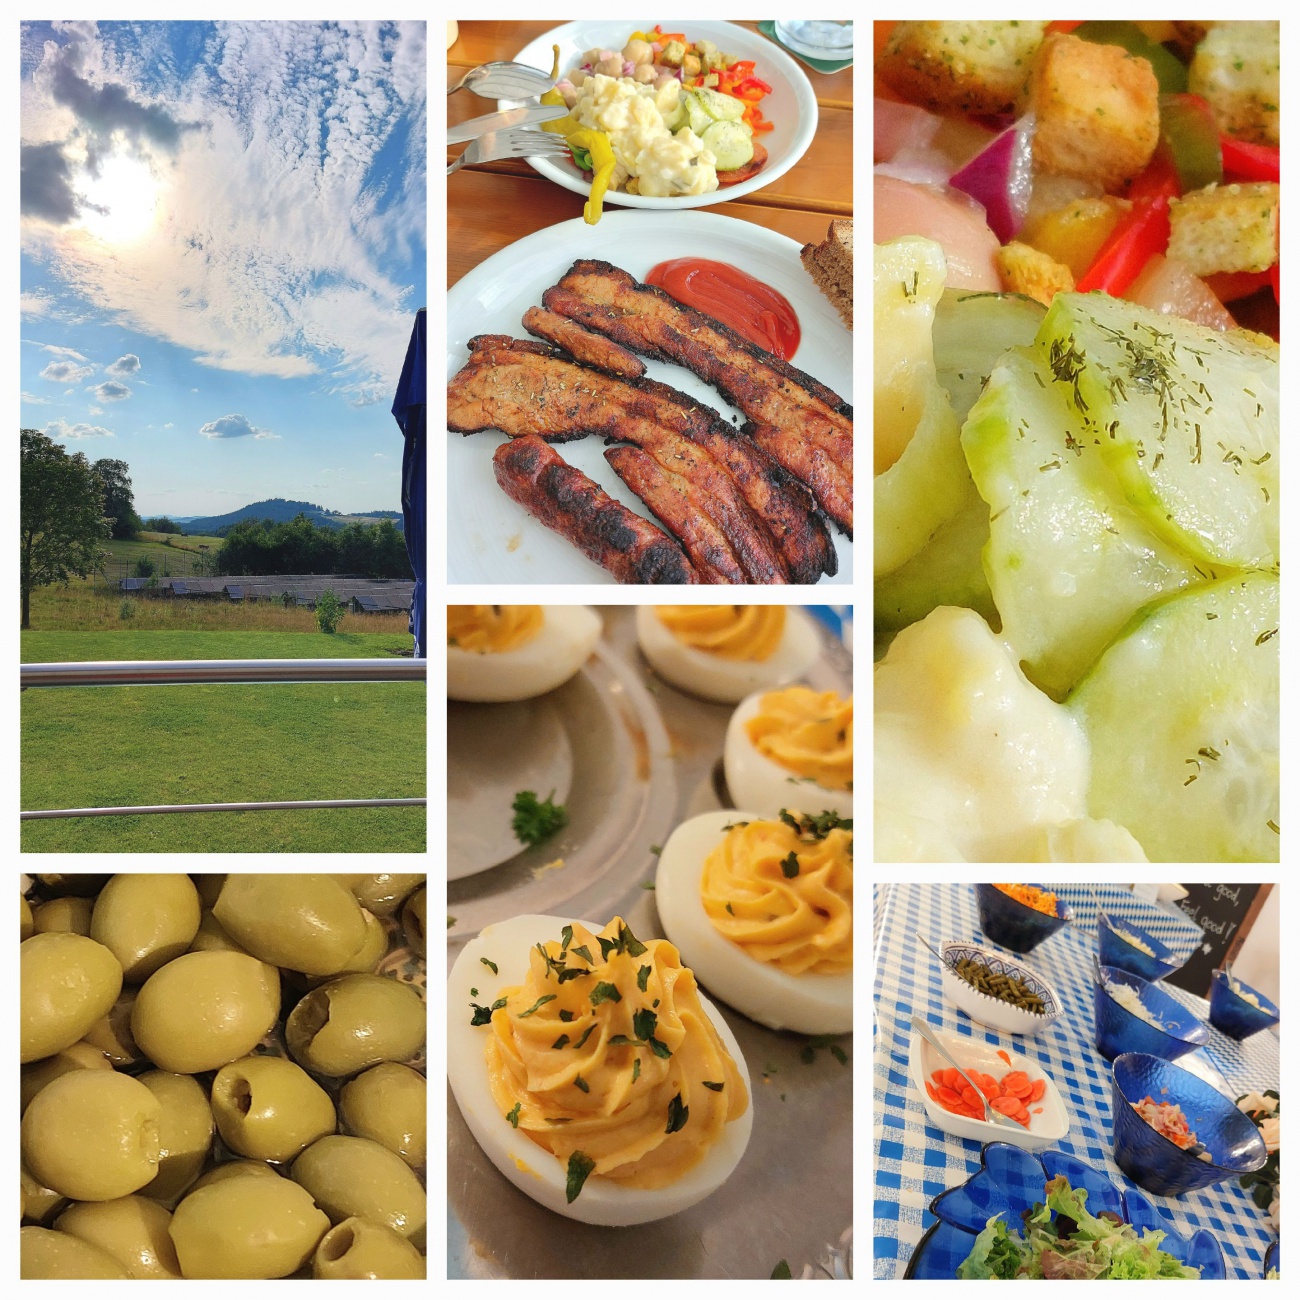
(119,500)
(62,521)
(329,611)
(161,524)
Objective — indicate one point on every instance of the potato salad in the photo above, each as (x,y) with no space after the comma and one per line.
(1076,444)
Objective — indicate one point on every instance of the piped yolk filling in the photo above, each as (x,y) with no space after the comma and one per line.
(742,632)
(784,895)
(807,732)
(492,629)
(619,1062)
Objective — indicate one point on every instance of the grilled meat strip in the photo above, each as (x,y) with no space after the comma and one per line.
(581,344)
(569,503)
(770,518)
(769,391)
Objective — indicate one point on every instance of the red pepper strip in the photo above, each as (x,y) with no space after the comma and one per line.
(1250,162)
(1064,27)
(1142,232)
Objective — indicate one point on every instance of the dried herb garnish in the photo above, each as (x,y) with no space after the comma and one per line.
(714,1087)
(605,992)
(580,1167)
(581,1084)
(636,1069)
(537,1006)
(491,965)
(562,1041)
(642,976)
(677,1115)
(513,1114)
(790,866)
(483,1015)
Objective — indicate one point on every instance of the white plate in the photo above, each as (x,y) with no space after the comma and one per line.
(791,107)
(492,539)
(1044,1130)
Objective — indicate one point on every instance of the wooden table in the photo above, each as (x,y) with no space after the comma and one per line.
(495,204)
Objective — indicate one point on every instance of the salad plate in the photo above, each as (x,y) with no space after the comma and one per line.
(1010,1181)
(791,107)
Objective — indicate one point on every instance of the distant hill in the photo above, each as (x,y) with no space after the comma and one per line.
(280,511)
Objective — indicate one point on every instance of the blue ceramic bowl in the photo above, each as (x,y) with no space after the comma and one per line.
(1119,1030)
(1114,951)
(1154,1162)
(1010,1181)
(1014,925)
(1273,1259)
(1233,1015)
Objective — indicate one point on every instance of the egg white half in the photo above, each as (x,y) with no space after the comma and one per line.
(756,782)
(568,635)
(727,680)
(807,1004)
(532,1169)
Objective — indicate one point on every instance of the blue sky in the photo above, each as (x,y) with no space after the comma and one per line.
(223,248)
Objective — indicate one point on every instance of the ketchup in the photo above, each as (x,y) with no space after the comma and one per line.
(754,310)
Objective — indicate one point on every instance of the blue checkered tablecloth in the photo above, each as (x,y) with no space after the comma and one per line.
(914,1161)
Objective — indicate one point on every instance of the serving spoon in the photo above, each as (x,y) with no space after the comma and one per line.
(502,80)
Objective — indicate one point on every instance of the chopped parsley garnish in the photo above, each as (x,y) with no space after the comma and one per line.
(624,941)
(660,1049)
(622,1040)
(585,953)
(562,1041)
(714,1087)
(644,1023)
(473,993)
(636,1069)
(573,973)
(782,1270)
(642,976)
(605,992)
(491,965)
(647,884)
(513,1115)
(581,1084)
(541,1002)
(483,1015)
(790,865)
(566,1016)
(839,1054)
(586,1035)
(677,1115)
(819,826)
(731,910)
(580,1166)
(566,938)
(536,820)
(656,849)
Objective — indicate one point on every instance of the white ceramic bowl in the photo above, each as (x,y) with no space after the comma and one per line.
(993,1012)
(791,107)
(1044,1130)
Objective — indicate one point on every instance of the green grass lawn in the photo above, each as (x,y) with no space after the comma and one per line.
(84,747)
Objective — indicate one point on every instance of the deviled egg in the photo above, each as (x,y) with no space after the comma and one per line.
(592,1072)
(723,652)
(792,747)
(763,911)
(497,653)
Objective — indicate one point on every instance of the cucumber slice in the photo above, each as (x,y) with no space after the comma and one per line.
(676,117)
(1187,419)
(729,145)
(1182,715)
(972,331)
(1068,560)
(722,108)
(696,118)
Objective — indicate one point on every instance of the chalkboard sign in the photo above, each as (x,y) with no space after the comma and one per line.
(1221,911)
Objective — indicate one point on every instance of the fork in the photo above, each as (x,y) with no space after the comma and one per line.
(517,143)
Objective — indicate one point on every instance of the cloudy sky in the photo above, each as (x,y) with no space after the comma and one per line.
(223,251)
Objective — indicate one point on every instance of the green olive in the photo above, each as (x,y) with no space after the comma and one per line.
(92,1135)
(355,1022)
(40,1203)
(49,1254)
(111,1034)
(359,1249)
(414,922)
(234,1169)
(65,915)
(28,927)
(132,1229)
(204,1009)
(145,920)
(184,1133)
(212,937)
(387,1105)
(268,1108)
(67,983)
(246,1228)
(80,1056)
(306,923)
(381,893)
(354,1176)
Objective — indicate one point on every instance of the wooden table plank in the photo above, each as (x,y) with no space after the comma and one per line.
(488,211)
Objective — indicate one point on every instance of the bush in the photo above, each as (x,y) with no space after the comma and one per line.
(329,611)
(161,524)
(145,567)
(126,610)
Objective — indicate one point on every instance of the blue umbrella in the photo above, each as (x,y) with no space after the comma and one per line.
(410,412)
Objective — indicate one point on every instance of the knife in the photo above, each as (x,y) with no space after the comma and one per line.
(512,117)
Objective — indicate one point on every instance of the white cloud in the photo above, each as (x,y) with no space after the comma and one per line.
(68,354)
(33,400)
(94,410)
(66,372)
(111,391)
(62,429)
(125,365)
(234,426)
(36,304)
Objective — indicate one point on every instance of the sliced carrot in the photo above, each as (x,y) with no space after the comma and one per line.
(1036,1092)
(1038,1110)
(952,1078)
(1005,1105)
(989,1087)
(1004,1056)
(932,1090)
(949,1097)
(971,1097)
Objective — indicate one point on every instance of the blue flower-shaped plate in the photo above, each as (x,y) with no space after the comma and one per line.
(1010,1181)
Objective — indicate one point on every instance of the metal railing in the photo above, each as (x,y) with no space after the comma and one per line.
(221,672)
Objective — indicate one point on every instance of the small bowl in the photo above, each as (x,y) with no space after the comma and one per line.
(993,1012)
(1044,1129)
(1154,1162)
(1120,1031)
(1013,924)
(1231,1014)
(1115,951)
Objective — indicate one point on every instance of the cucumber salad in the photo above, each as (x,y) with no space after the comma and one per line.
(1076,525)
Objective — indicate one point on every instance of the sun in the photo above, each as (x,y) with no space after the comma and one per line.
(120,203)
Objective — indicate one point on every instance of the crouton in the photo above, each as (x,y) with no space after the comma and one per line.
(960,66)
(1237,68)
(1225,228)
(1026,270)
(1098,110)
(1075,233)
